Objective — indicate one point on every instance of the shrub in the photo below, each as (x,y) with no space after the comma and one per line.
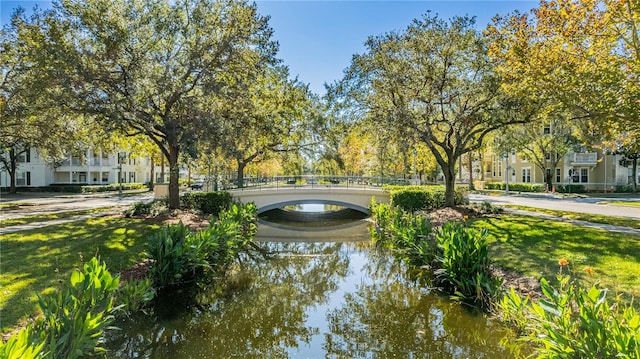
(463,260)
(170,254)
(414,198)
(139,208)
(570,188)
(180,256)
(23,345)
(518,187)
(134,296)
(207,202)
(75,318)
(485,208)
(572,322)
(111,187)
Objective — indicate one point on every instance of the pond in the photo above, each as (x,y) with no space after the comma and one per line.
(332,298)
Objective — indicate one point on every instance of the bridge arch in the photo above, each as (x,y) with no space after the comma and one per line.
(354,198)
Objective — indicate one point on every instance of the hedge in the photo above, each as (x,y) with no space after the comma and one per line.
(415,198)
(80,188)
(520,187)
(207,202)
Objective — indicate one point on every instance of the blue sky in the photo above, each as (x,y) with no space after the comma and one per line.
(318,38)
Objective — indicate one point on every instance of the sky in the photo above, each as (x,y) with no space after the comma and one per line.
(318,38)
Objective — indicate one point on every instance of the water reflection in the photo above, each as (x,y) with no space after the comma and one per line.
(313,300)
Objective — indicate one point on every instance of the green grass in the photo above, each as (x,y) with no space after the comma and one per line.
(36,261)
(50,217)
(595,218)
(533,246)
(625,203)
(15,204)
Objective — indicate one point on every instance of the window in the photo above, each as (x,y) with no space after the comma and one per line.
(513,156)
(580,175)
(546,130)
(23,179)
(526,175)
(558,175)
(105,176)
(547,156)
(499,168)
(24,157)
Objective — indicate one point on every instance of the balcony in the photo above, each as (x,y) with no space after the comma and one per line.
(584,159)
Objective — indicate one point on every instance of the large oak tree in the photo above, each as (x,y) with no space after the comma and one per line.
(156,68)
(433,83)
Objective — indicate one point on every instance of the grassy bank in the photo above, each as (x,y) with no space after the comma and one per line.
(533,246)
(35,261)
(595,218)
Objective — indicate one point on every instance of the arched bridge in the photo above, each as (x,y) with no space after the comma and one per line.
(271,198)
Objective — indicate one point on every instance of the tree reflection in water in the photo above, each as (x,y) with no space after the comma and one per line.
(313,300)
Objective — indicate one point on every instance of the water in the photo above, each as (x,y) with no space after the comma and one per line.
(326,299)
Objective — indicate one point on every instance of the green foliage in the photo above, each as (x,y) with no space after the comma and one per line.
(458,255)
(570,188)
(207,202)
(23,345)
(465,265)
(573,322)
(485,208)
(409,236)
(415,198)
(111,187)
(75,318)
(170,254)
(139,208)
(519,187)
(181,256)
(134,296)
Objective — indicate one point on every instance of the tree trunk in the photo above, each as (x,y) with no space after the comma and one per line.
(548,179)
(174,175)
(634,173)
(240,176)
(13,169)
(450,183)
(153,174)
(470,168)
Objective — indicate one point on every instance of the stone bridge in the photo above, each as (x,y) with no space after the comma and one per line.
(271,198)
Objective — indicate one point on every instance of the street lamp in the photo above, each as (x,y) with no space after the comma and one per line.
(507,172)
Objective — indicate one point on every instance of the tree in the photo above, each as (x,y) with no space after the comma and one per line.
(435,84)
(544,142)
(27,115)
(584,54)
(156,68)
(268,114)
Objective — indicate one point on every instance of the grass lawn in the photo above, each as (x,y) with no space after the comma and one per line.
(50,217)
(625,203)
(35,261)
(533,246)
(595,218)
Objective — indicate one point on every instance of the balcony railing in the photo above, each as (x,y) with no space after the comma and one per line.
(589,159)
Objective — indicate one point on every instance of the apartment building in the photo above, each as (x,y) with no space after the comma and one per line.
(593,170)
(94,168)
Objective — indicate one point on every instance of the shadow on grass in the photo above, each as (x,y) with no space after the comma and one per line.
(36,261)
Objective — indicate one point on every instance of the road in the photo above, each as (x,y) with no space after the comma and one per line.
(39,204)
(580,205)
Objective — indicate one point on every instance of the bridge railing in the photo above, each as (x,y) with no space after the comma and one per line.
(314,181)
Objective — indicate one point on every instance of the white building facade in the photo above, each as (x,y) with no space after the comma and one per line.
(94,168)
